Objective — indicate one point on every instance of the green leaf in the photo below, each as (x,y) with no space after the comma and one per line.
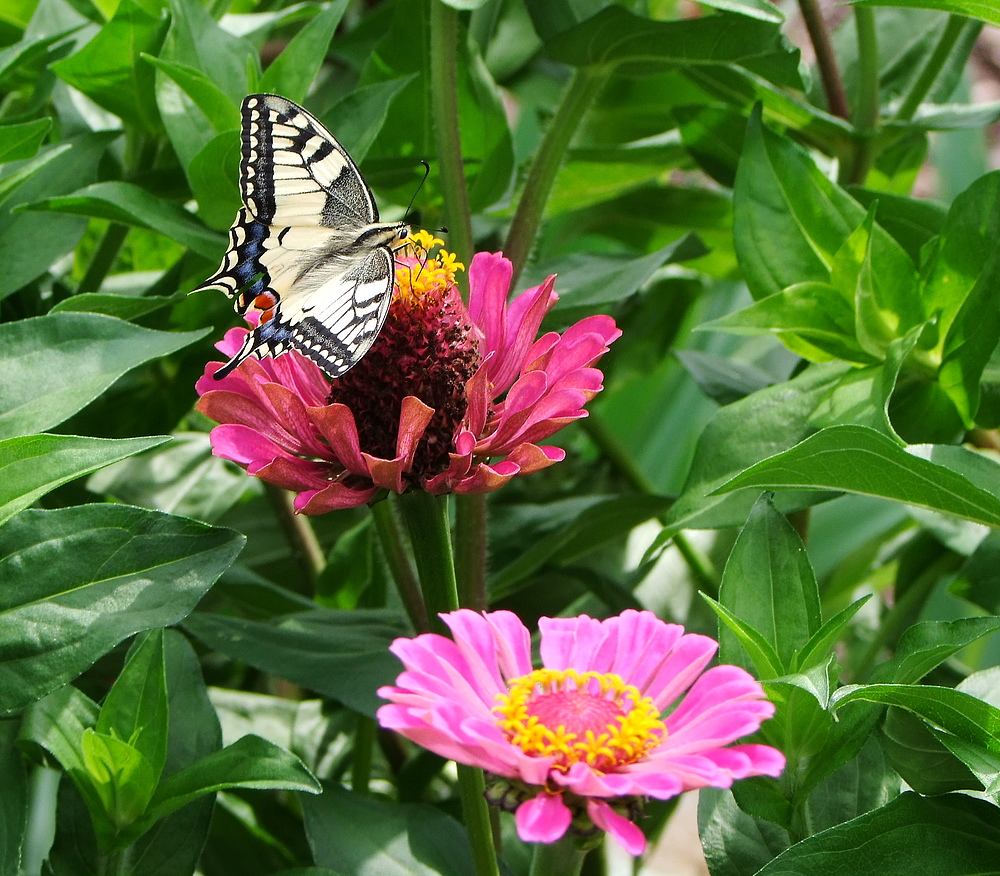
(13,801)
(721,379)
(586,281)
(790,221)
(615,36)
(952,835)
(735,844)
(222,113)
(55,171)
(349,834)
(714,137)
(121,781)
(958,286)
(955,711)
(214,175)
(133,205)
(348,569)
(358,117)
(250,762)
(751,8)
(135,709)
(108,71)
(857,459)
(744,433)
(342,654)
(55,365)
(80,580)
(33,465)
(927,645)
(912,222)
(766,662)
(125,307)
(768,583)
(56,723)
(18,142)
(984,10)
(820,644)
(293,71)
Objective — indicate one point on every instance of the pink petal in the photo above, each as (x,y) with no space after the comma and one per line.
(333,497)
(336,424)
(569,642)
(618,826)
(544,819)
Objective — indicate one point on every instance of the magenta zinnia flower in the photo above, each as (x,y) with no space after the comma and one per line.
(621,710)
(448,399)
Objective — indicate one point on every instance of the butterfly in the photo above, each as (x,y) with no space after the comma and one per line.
(306,250)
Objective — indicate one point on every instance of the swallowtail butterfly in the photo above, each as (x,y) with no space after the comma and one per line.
(306,250)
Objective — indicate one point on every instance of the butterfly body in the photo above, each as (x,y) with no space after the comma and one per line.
(306,250)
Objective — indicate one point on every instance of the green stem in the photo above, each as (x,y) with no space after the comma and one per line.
(866,113)
(826,61)
(392,539)
(298,530)
(472,786)
(932,68)
(104,258)
(563,858)
(470,550)
(580,93)
(444,111)
(361,763)
(426,519)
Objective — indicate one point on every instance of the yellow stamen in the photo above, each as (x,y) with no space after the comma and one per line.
(425,275)
(633,730)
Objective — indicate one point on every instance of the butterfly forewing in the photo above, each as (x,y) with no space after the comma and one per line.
(307,249)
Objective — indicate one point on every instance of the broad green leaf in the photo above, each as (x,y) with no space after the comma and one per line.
(133,205)
(985,10)
(751,8)
(858,459)
(250,762)
(222,113)
(348,569)
(942,117)
(13,801)
(811,318)
(587,281)
(735,844)
(920,759)
(768,583)
(959,713)
(32,465)
(978,580)
(744,433)
(353,834)
(342,654)
(595,525)
(959,286)
(73,165)
(107,69)
(56,723)
(55,365)
(615,36)
(821,643)
(952,835)
(196,40)
(214,174)
(714,137)
(34,52)
(721,379)
(293,71)
(790,221)
(135,709)
(912,222)
(357,118)
(125,307)
(80,580)
(927,645)
(21,141)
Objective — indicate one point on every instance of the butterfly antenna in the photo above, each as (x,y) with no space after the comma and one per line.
(420,185)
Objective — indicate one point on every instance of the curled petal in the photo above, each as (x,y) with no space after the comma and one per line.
(618,826)
(543,819)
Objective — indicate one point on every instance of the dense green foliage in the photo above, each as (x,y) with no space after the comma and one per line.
(799,420)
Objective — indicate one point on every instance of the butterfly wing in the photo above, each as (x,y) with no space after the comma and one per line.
(306,249)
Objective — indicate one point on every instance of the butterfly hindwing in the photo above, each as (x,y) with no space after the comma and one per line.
(307,250)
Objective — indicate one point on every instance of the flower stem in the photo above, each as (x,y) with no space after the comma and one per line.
(472,786)
(866,112)
(104,258)
(932,68)
(444,111)
(392,539)
(300,534)
(580,93)
(562,858)
(470,550)
(426,519)
(826,61)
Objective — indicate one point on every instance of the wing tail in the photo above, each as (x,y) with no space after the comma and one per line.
(249,346)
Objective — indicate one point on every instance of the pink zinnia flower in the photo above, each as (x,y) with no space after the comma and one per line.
(620,710)
(448,399)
